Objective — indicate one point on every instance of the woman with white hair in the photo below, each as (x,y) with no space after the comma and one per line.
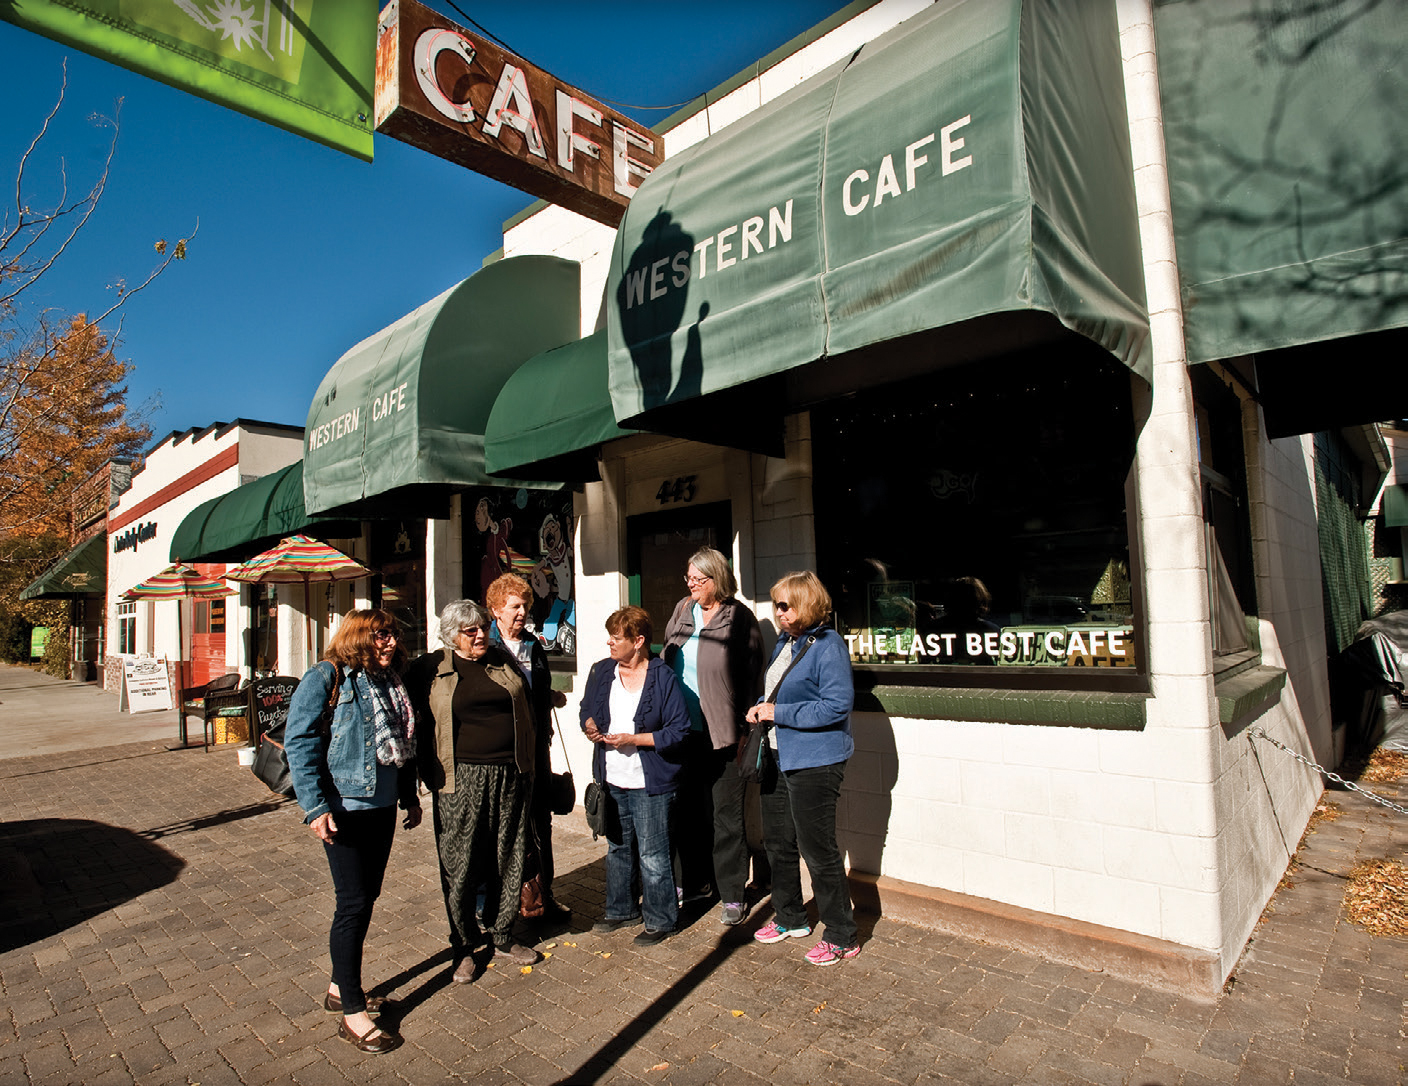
(476,755)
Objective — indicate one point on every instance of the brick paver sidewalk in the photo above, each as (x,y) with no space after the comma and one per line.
(163,919)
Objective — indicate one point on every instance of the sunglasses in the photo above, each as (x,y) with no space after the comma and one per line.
(781,606)
(473,631)
(381,637)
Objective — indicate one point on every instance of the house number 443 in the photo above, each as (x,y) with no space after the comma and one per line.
(680,489)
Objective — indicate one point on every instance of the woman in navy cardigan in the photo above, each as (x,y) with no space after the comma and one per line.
(809,683)
(634,711)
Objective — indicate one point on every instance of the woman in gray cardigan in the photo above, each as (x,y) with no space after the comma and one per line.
(715,647)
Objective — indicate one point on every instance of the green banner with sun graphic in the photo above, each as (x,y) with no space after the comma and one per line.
(304,65)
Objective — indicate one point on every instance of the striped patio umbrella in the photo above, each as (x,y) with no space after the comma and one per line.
(300,560)
(177,583)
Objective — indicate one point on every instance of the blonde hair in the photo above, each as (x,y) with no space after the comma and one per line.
(806,596)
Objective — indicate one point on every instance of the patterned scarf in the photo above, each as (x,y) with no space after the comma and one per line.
(392,716)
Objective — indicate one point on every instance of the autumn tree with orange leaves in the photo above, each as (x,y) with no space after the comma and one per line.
(63,392)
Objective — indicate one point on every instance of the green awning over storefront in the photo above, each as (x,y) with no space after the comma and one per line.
(398,423)
(553,414)
(83,571)
(1286,150)
(967,172)
(241,523)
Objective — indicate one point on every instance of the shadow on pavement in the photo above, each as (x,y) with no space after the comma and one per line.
(58,872)
(220,818)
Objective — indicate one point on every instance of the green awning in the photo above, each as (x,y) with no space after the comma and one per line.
(251,518)
(397,424)
(967,174)
(1395,506)
(553,414)
(83,571)
(1285,137)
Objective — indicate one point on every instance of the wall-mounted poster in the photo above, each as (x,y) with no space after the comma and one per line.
(527,532)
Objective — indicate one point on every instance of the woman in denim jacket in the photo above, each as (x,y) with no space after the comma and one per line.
(809,682)
(348,779)
(634,711)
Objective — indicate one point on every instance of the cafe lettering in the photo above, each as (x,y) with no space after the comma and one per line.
(468,100)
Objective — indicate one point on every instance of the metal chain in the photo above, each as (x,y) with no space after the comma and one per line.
(1330,775)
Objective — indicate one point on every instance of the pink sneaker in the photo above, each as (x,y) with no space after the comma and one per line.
(825,953)
(771,932)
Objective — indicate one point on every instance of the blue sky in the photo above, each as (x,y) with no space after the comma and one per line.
(303,251)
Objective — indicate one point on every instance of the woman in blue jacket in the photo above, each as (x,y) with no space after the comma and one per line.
(810,693)
(348,774)
(635,713)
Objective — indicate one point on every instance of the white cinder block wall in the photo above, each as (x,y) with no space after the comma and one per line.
(1179,832)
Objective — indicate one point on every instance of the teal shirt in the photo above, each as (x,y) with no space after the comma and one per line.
(687,669)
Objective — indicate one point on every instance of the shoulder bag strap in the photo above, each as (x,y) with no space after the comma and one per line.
(796,657)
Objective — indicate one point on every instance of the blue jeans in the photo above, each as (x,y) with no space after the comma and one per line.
(645,838)
(799,816)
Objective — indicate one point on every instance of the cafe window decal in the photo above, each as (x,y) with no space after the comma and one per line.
(527,532)
(989,528)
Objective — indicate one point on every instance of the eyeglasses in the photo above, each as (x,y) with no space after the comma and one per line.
(381,637)
(695,582)
(781,606)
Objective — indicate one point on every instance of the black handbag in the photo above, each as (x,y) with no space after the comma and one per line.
(270,761)
(757,762)
(594,802)
(561,788)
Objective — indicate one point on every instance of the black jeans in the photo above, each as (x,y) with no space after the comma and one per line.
(799,816)
(711,833)
(357,858)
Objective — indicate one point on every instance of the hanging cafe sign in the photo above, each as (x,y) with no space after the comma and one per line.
(463,98)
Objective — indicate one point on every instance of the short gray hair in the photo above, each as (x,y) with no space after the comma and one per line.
(714,565)
(457,615)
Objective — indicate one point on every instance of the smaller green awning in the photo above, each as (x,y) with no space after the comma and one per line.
(250,518)
(398,423)
(552,415)
(83,571)
(1395,506)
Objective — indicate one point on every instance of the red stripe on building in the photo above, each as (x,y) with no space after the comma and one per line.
(211,468)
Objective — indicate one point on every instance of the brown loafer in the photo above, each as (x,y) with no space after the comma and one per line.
(381,1042)
(465,970)
(333,1004)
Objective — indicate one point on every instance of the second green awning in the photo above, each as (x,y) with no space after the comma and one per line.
(83,571)
(552,414)
(968,172)
(246,520)
(397,425)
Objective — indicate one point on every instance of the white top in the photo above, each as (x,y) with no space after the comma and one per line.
(777,669)
(522,652)
(623,768)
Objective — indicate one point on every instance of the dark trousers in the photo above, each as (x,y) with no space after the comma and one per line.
(357,859)
(540,860)
(799,816)
(711,825)
(481,835)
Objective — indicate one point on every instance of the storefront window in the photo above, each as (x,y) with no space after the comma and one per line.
(127,628)
(397,552)
(975,522)
(528,532)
